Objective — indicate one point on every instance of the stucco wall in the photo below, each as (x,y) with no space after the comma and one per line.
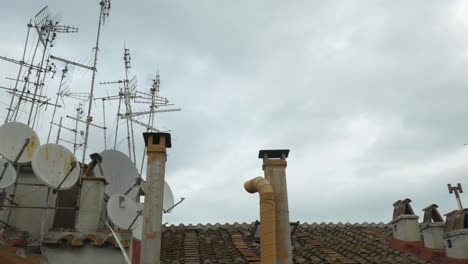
(83,255)
(29,219)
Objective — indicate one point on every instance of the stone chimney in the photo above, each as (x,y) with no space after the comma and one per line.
(433,228)
(456,234)
(274,168)
(405,222)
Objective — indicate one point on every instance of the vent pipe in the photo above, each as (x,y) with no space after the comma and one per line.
(267,218)
(274,167)
(156,144)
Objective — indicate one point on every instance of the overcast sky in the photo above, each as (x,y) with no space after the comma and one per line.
(370,96)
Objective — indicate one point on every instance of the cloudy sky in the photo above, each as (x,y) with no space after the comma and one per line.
(370,97)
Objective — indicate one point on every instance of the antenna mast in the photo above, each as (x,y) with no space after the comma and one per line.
(104,12)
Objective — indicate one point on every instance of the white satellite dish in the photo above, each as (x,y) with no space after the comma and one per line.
(55,166)
(7,174)
(14,136)
(123,211)
(137,232)
(168,197)
(119,171)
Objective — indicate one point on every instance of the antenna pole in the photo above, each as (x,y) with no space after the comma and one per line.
(118,119)
(78,113)
(104,118)
(19,72)
(59,130)
(91,93)
(38,77)
(64,71)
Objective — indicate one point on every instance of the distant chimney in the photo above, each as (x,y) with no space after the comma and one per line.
(433,228)
(456,234)
(405,222)
(274,167)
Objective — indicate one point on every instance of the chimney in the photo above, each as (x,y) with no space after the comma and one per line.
(456,234)
(433,228)
(91,198)
(274,167)
(156,144)
(405,222)
(267,217)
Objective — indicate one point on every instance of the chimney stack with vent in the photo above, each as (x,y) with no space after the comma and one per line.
(433,228)
(456,228)
(405,222)
(274,167)
(156,144)
(91,198)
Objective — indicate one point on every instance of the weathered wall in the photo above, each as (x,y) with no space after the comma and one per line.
(29,219)
(83,255)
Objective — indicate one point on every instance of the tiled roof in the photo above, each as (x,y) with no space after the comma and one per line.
(78,239)
(312,243)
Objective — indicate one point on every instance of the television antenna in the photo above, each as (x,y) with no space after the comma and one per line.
(456,190)
(56,167)
(103,15)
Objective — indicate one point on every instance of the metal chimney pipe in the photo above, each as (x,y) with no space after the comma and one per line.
(156,144)
(267,217)
(274,167)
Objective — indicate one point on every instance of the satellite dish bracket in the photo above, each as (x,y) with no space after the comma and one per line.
(73,166)
(137,183)
(172,207)
(140,212)
(26,142)
(5,166)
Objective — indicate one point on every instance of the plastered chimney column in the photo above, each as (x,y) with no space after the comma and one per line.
(156,144)
(274,168)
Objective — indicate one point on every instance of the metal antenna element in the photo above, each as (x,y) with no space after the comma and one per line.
(103,14)
(457,190)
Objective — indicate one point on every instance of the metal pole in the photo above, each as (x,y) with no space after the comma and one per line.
(118,119)
(91,93)
(76,128)
(19,73)
(154,196)
(38,78)
(59,130)
(64,71)
(104,118)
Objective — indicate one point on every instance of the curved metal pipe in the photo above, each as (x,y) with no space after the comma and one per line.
(267,217)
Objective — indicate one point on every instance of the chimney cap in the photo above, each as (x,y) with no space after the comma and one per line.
(273,153)
(156,137)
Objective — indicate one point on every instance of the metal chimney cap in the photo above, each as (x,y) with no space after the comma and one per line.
(156,137)
(273,153)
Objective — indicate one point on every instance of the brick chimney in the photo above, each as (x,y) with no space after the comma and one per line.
(456,234)
(433,227)
(405,222)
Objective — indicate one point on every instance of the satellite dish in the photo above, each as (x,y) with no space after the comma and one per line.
(55,166)
(119,171)
(168,197)
(137,232)
(7,174)
(124,212)
(13,139)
